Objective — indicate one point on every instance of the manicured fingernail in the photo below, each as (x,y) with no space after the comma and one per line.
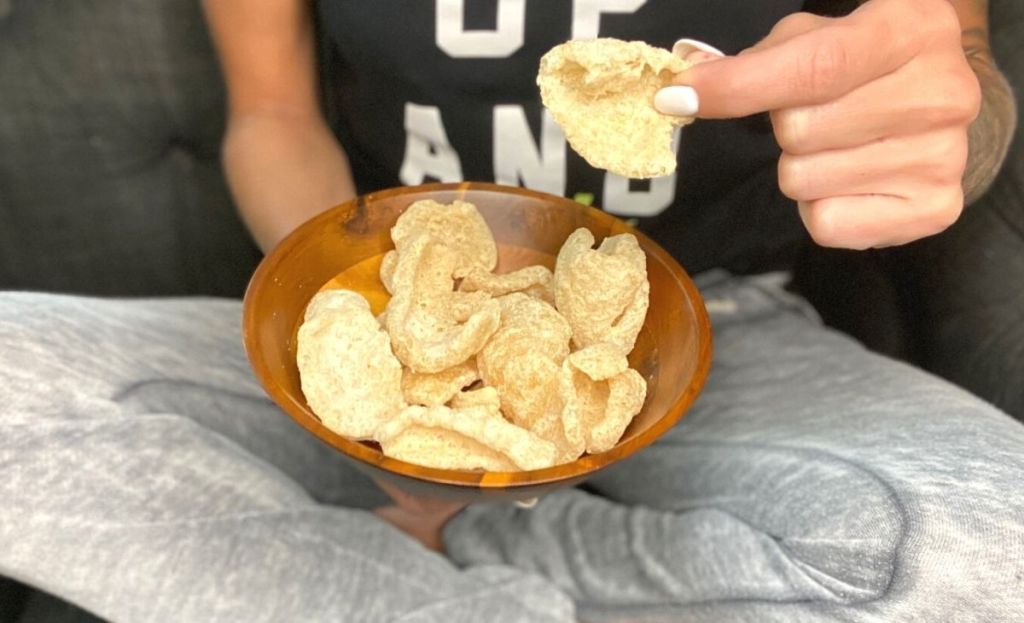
(700,57)
(685,47)
(679,101)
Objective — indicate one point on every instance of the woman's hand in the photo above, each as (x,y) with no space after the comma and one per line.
(871,110)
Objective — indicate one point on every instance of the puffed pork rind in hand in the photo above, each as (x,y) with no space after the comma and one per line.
(432,327)
(601,92)
(437,388)
(349,375)
(469,439)
(458,225)
(602,409)
(522,358)
(603,293)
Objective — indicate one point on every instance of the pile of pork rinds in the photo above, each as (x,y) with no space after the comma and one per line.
(468,369)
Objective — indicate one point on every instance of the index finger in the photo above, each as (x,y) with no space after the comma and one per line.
(810,68)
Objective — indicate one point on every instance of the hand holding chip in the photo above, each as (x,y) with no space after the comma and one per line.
(871,111)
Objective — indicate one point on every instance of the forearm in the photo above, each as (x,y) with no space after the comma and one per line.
(992,132)
(282,170)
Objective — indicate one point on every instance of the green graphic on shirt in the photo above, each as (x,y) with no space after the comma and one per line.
(586,199)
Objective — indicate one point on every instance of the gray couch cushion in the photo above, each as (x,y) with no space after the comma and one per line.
(111,114)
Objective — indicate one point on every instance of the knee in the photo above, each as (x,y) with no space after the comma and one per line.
(832,527)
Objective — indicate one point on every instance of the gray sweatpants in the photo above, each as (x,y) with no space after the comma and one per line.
(145,477)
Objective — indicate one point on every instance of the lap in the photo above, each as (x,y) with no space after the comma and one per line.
(144,477)
(101,363)
(782,382)
(870,474)
(857,476)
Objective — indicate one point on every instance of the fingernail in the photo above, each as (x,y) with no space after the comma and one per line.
(679,101)
(700,57)
(685,47)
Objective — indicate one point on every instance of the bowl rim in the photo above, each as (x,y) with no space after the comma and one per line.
(578,469)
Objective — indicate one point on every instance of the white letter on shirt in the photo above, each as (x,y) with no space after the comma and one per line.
(619,199)
(516,157)
(427,151)
(586,14)
(453,38)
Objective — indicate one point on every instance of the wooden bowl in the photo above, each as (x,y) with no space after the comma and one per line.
(342,248)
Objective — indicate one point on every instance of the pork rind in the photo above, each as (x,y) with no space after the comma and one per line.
(603,293)
(601,409)
(600,362)
(435,389)
(601,93)
(626,395)
(533,280)
(560,421)
(583,401)
(458,224)
(387,270)
(489,380)
(433,328)
(523,357)
(469,439)
(484,397)
(349,375)
(462,305)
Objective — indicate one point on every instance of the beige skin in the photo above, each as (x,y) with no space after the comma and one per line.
(879,123)
(283,163)
(839,95)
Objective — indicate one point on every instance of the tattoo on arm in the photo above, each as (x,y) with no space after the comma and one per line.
(992,131)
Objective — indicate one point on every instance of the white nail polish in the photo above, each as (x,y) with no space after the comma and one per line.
(679,101)
(685,46)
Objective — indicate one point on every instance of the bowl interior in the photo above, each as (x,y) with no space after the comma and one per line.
(342,248)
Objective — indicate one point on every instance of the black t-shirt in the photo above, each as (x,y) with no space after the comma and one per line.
(445,90)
